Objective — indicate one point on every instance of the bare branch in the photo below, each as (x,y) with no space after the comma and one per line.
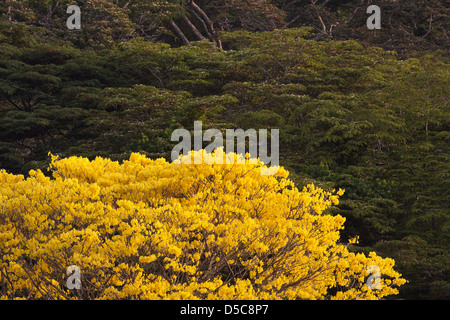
(193,28)
(179,32)
(207,20)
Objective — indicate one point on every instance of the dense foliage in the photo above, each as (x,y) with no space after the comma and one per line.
(351,115)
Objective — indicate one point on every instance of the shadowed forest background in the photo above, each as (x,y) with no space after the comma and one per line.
(362,110)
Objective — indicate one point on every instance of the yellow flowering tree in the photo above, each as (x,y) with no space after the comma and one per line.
(149,229)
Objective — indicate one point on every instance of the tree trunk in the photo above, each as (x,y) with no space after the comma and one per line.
(179,32)
(209,23)
(193,28)
(8,14)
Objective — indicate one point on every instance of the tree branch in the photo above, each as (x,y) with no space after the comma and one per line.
(287,5)
(430,28)
(14,104)
(202,22)
(179,32)
(193,28)
(208,21)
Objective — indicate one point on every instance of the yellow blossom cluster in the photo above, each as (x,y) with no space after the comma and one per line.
(150,229)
